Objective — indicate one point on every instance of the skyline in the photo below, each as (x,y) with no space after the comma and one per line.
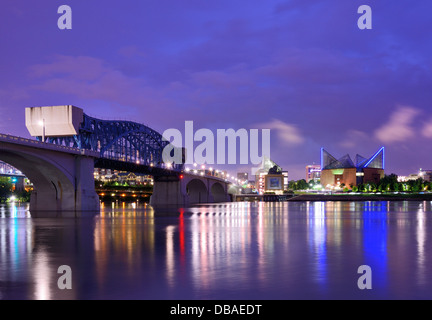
(305,71)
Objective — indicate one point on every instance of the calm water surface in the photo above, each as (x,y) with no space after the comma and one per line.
(304,250)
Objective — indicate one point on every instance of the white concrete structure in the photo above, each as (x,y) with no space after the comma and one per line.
(62,176)
(55,121)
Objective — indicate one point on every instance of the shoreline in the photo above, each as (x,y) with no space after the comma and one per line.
(359,197)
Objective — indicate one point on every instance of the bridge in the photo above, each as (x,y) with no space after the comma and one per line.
(70,144)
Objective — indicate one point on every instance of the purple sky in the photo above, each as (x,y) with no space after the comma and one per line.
(301,68)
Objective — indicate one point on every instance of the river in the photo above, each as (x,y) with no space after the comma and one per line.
(243,250)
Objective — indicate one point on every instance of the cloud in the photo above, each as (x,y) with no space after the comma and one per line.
(354,138)
(89,78)
(399,128)
(427,129)
(287,133)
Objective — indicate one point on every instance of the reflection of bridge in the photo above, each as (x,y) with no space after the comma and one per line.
(69,144)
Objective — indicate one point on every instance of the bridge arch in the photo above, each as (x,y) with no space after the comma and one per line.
(218,192)
(197,191)
(52,183)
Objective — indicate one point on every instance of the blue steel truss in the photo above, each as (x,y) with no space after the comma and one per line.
(124,141)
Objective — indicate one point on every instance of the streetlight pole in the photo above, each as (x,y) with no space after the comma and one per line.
(43,130)
(42,123)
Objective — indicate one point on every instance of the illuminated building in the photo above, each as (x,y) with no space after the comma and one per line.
(313,172)
(270,178)
(426,175)
(346,172)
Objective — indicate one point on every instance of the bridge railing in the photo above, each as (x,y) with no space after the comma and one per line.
(45,145)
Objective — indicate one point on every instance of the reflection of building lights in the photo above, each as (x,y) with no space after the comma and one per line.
(41,275)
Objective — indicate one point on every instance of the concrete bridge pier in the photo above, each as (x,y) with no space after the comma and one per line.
(74,194)
(189,190)
(167,192)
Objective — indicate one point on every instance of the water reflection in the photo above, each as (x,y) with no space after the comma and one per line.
(223,251)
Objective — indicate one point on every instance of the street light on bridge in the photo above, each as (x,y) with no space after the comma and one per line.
(42,123)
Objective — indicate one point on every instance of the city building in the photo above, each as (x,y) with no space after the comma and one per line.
(270,178)
(426,175)
(346,172)
(122,177)
(313,172)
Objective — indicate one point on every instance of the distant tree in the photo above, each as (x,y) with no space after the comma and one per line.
(302,185)
(380,187)
(292,185)
(5,188)
(395,186)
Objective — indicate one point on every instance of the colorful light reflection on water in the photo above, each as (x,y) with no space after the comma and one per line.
(287,250)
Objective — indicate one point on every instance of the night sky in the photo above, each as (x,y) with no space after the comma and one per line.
(300,68)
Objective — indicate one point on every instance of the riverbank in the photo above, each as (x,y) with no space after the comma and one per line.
(362,197)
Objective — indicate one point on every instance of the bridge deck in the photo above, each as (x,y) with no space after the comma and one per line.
(48,146)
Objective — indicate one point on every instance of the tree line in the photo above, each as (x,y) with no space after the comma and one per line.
(389,183)
(7,191)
